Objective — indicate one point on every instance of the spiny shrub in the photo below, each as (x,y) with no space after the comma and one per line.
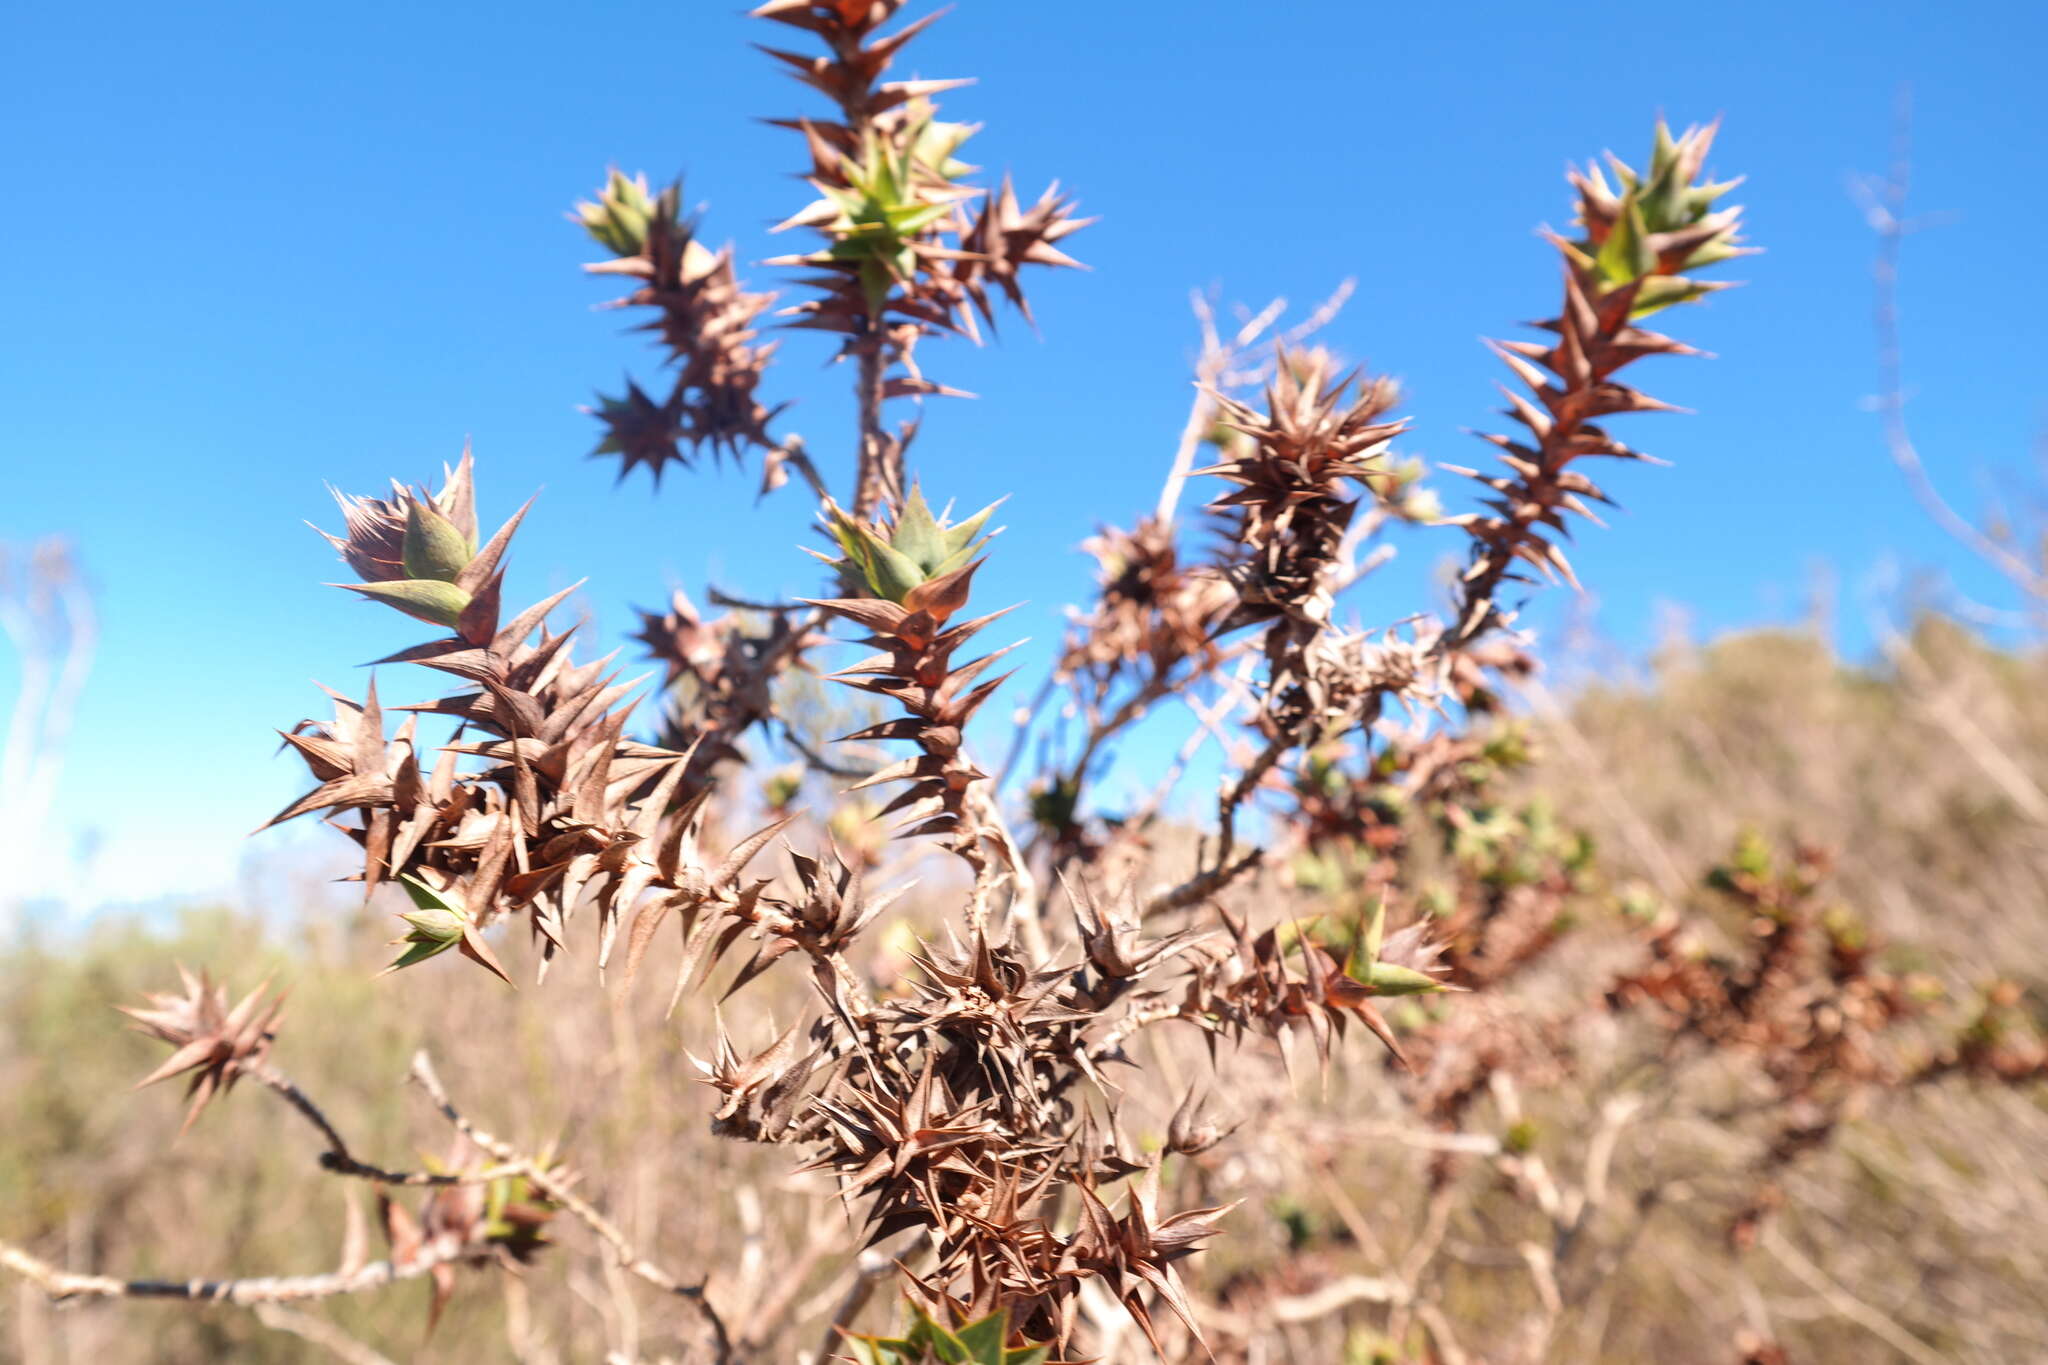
(968,1102)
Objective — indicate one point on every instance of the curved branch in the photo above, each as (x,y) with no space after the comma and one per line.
(338,1160)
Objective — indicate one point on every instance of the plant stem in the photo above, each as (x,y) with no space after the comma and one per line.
(63,1284)
(880,472)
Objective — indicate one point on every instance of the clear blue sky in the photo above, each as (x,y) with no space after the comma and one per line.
(251,248)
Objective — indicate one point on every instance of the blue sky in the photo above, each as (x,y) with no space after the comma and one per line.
(251,248)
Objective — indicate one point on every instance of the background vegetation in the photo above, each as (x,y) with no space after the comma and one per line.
(1921,1234)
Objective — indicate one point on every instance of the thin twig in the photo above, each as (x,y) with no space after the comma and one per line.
(1208,726)
(557,1191)
(817,762)
(1238,792)
(1209,366)
(1143,1017)
(1439,1328)
(341,1161)
(64,1284)
(868,1270)
(767,1317)
(1022,732)
(282,1085)
(1847,1305)
(1886,213)
(1203,885)
(321,1333)
(1956,722)
(1336,1296)
(1216,368)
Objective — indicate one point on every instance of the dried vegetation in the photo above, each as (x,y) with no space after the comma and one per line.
(1083,1045)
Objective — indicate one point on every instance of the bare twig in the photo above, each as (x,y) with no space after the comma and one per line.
(1209,367)
(1203,885)
(1885,210)
(246,1293)
(282,1086)
(557,1191)
(767,1318)
(1851,1309)
(339,1160)
(1956,723)
(1336,1296)
(1235,795)
(868,1271)
(1219,365)
(320,1332)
